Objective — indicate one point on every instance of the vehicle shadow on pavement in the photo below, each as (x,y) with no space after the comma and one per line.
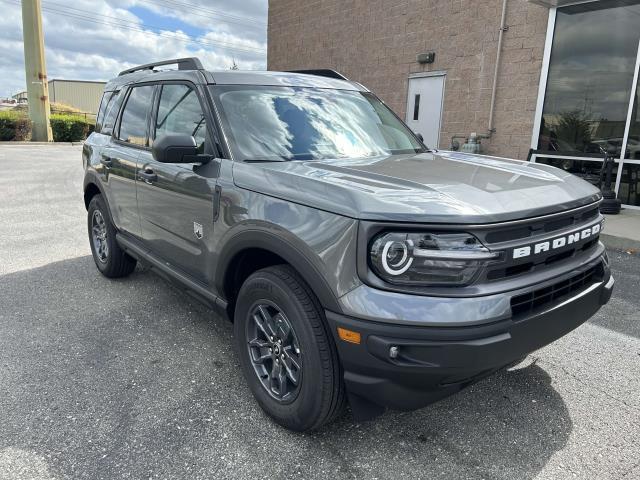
(506,426)
(131,378)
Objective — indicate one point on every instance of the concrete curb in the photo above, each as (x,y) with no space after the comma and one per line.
(619,243)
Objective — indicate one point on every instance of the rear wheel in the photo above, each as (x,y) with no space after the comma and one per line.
(110,259)
(288,357)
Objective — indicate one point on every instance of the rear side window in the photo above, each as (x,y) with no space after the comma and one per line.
(133,125)
(180,113)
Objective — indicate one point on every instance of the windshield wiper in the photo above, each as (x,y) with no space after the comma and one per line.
(265,160)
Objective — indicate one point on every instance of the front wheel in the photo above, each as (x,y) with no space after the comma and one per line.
(287,354)
(110,259)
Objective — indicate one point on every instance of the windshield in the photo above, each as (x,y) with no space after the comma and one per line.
(293,123)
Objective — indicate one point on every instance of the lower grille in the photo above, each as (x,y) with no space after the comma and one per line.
(532,301)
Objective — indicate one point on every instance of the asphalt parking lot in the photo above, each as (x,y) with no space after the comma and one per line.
(132,379)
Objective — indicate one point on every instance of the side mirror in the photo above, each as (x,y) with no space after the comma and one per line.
(420,137)
(177,149)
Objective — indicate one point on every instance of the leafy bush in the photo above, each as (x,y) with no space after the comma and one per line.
(14,126)
(69,128)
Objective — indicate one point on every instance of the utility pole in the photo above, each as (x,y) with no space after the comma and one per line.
(36,71)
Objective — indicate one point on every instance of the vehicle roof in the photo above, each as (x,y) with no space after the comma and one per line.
(236,77)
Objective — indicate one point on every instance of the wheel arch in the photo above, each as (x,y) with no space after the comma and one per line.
(254,249)
(91,186)
(90,191)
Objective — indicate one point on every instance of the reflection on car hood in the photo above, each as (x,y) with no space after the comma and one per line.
(429,187)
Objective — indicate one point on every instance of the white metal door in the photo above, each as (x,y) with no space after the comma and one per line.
(424,107)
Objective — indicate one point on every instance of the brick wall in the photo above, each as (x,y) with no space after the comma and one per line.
(375,42)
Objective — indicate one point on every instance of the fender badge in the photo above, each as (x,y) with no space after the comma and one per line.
(197,230)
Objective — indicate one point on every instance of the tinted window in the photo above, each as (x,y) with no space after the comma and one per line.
(180,113)
(111,113)
(590,76)
(133,126)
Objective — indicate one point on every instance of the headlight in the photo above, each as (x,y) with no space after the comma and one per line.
(429,259)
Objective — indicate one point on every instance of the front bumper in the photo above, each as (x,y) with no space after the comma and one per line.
(433,362)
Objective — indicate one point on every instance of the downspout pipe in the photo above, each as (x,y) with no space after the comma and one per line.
(503,28)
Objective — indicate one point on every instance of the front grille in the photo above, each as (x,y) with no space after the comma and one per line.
(536,227)
(530,302)
(510,271)
(519,234)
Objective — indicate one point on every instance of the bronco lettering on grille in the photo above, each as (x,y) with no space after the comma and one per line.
(556,243)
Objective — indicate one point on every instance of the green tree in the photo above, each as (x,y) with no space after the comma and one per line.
(574,129)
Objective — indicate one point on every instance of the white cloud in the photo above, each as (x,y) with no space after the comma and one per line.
(80,49)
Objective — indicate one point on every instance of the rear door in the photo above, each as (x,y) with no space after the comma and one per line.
(121,156)
(175,201)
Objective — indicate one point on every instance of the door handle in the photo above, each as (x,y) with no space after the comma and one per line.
(106,161)
(148,175)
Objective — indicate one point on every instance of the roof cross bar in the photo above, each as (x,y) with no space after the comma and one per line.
(322,72)
(188,63)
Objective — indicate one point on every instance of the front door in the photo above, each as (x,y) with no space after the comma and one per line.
(175,201)
(424,107)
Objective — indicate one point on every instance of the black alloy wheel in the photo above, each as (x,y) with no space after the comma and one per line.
(108,255)
(274,351)
(99,236)
(286,350)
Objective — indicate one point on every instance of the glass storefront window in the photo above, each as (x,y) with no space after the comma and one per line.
(588,170)
(629,191)
(591,71)
(633,142)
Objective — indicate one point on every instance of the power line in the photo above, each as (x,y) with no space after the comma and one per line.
(211,12)
(151,33)
(127,23)
(123,24)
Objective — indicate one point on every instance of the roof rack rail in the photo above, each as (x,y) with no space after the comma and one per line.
(322,72)
(188,63)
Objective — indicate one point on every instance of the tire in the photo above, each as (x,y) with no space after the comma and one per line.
(110,259)
(298,321)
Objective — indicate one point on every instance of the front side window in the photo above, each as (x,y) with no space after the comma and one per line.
(293,123)
(180,113)
(133,125)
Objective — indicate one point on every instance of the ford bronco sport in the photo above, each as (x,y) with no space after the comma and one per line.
(357,264)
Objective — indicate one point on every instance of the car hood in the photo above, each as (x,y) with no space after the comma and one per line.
(440,187)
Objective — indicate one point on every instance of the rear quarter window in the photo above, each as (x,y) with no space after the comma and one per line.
(111,108)
(106,97)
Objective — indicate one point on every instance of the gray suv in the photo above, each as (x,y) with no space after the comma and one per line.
(356,264)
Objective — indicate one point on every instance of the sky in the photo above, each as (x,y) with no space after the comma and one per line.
(96,39)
